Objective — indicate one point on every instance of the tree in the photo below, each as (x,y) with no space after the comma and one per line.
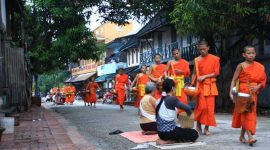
(57,35)
(216,19)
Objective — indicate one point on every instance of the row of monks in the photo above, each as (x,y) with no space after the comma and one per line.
(206,69)
(68,93)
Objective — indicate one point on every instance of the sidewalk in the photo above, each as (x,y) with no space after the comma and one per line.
(44,130)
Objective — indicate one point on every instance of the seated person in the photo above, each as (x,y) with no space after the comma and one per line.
(147,109)
(168,131)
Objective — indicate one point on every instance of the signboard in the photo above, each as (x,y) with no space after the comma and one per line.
(84,69)
(109,68)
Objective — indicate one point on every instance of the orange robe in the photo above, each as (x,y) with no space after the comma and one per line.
(92,89)
(120,81)
(157,72)
(72,91)
(142,81)
(205,107)
(255,74)
(67,96)
(179,79)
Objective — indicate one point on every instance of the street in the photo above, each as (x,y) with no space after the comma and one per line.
(96,123)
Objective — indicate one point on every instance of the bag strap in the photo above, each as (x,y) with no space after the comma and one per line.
(248,84)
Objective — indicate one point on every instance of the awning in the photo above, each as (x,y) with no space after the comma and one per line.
(105,77)
(71,78)
(81,77)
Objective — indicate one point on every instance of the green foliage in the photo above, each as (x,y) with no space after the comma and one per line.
(57,35)
(220,18)
(48,81)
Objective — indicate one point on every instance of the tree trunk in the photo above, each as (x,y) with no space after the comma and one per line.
(37,91)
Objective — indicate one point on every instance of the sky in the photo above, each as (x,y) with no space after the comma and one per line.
(95,21)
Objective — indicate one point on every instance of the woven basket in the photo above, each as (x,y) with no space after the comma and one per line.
(186,121)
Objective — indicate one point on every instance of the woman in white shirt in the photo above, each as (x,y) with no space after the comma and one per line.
(148,110)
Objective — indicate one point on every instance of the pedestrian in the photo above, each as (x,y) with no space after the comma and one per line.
(208,70)
(92,88)
(156,74)
(252,79)
(121,80)
(178,70)
(166,114)
(148,110)
(140,81)
(72,91)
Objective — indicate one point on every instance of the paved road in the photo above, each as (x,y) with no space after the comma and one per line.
(96,123)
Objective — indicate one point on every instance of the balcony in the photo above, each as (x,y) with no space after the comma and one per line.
(188,53)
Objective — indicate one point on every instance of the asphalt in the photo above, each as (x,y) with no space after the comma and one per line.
(95,124)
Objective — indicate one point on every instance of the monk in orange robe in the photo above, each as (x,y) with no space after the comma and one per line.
(178,69)
(140,80)
(66,90)
(85,93)
(208,70)
(121,80)
(156,74)
(92,87)
(252,79)
(71,93)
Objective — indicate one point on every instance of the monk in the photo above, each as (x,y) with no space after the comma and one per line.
(92,87)
(252,79)
(140,81)
(208,70)
(121,80)
(71,94)
(156,74)
(65,93)
(178,69)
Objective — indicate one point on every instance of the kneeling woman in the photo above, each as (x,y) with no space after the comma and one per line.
(166,112)
(148,110)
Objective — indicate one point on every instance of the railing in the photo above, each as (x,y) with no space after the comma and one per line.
(188,53)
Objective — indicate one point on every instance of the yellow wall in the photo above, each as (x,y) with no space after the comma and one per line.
(109,31)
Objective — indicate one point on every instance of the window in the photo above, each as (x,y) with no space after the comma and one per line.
(132,55)
(138,55)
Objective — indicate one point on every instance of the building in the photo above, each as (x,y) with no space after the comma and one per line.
(15,77)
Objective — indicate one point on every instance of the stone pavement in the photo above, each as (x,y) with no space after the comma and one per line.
(42,129)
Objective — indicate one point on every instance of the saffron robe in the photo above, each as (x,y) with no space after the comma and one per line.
(179,79)
(71,91)
(204,111)
(141,83)
(120,81)
(255,74)
(157,72)
(91,97)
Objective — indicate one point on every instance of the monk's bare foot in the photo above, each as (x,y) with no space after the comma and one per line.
(162,142)
(243,139)
(252,141)
(207,133)
(199,130)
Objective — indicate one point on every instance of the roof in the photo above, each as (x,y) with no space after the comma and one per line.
(159,20)
(131,43)
(81,77)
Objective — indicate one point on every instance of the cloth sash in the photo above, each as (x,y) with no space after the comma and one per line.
(145,114)
(141,88)
(210,87)
(179,84)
